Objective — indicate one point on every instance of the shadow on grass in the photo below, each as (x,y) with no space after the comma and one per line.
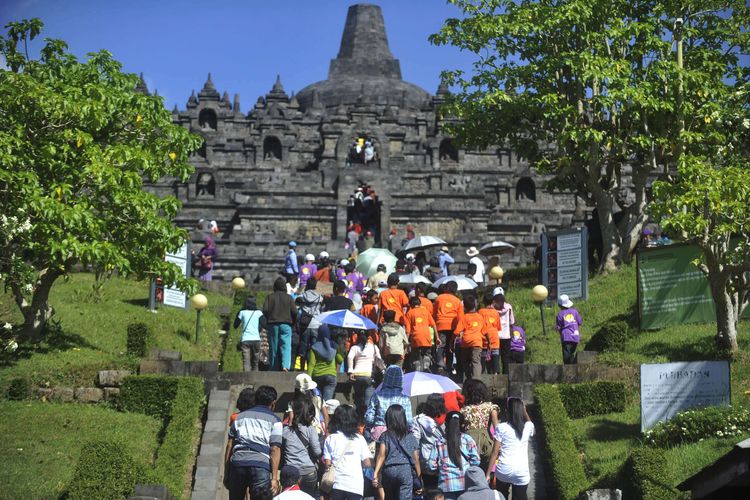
(613,431)
(137,302)
(698,350)
(55,339)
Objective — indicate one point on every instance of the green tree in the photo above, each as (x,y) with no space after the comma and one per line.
(586,90)
(76,144)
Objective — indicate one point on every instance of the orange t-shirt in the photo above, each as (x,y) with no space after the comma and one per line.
(448,312)
(473,330)
(418,322)
(492,326)
(393,299)
(370,312)
(427,303)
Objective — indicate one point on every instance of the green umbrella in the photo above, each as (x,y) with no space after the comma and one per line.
(368,261)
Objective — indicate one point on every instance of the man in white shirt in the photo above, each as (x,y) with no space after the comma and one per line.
(478,276)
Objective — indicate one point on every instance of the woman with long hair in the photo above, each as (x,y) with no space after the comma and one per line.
(322,358)
(482,415)
(453,456)
(347,451)
(360,361)
(397,457)
(512,445)
(301,443)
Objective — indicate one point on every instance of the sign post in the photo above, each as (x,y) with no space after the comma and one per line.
(167,295)
(565,263)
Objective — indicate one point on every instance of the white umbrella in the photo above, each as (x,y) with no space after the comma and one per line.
(346,319)
(421,242)
(421,383)
(368,261)
(496,248)
(463,282)
(412,279)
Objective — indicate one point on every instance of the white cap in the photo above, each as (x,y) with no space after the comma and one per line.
(498,291)
(410,256)
(309,257)
(344,262)
(331,405)
(323,255)
(564,301)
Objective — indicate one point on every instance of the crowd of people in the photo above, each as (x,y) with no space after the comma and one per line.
(458,445)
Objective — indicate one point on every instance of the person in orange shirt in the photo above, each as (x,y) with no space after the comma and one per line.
(421,291)
(492,325)
(370,307)
(421,328)
(473,333)
(393,299)
(449,312)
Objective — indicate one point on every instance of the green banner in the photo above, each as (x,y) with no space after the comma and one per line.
(671,289)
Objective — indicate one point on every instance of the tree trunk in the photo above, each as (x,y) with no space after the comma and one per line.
(610,234)
(37,313)
(727,313)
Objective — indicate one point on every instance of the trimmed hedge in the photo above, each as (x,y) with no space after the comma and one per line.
(568,475)
(105,471)
(691,426)
(593,398)
(19,389)
(649,475)
(138,340)
(610,337)
(148,394)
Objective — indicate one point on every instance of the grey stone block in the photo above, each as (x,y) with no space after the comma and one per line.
(220,414)
(44,393)
(156,491)
(216,438)
(211,449)
(63,394)
(604,494)
(206,472)
(111,378)
(203,495)
(165,354)
(552,374)
(570,374)
(111,393)
(209,460)
(89,394)
(153,367)
(216,426)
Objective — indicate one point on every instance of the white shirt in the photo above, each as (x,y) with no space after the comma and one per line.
(293,495)
(479,275)
(348,469)
(513,464)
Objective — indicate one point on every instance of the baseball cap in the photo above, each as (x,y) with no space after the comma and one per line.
(309,257)
(292,243)
(564,301)
(344,262)
(498,291)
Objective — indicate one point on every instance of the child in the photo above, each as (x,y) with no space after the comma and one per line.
(449,312)
(507,319)
(453,456)
(568,323)
(307,270)
(393,299)
(252,321)
(517,344)
(370,306)
(421,327)
(473,333)
(395,339)
(492,325)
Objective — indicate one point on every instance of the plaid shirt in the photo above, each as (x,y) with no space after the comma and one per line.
(381,401)
(450,477)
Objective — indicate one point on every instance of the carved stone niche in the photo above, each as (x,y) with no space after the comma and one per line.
(396,147)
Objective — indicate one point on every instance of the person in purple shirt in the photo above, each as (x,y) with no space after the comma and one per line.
(517,344)
(353,281)
(568,324)
(340,272)
(307,270)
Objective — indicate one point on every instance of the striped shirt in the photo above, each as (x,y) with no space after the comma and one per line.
(254,431)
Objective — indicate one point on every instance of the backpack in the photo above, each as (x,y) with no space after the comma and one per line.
(425,447)
(484,442)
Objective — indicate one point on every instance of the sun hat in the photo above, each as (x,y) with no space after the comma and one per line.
(309,257)
(498,291)
(564,301)
(331,405)
(304,382)
(292,244)
(472,251)
(444,249)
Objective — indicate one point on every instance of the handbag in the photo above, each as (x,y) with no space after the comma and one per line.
(329,476)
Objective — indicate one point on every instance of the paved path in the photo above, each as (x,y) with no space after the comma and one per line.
(538,486)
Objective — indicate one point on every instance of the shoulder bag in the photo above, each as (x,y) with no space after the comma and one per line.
(329,476)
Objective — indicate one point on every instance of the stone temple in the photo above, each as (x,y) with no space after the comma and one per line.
(282,171)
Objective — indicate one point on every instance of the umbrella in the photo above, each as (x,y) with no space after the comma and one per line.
(423,242)
(412,279)
(368,261)
(464,283)
(496,248)
(346,319)
(420,383)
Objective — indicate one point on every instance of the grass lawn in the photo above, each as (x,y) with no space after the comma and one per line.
(93,334)
(41,442)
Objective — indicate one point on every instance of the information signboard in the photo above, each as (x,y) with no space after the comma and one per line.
(171,296)
(668,388)
(565,263)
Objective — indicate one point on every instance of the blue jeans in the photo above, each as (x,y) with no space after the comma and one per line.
(362,393)
(280,346)
(327,386)
(256,479)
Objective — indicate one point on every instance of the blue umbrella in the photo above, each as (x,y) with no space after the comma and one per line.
(346,319)
(420,383)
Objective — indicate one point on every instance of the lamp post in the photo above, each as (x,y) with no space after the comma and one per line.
(238,283)
(539,294)
(199,303)
(496,273)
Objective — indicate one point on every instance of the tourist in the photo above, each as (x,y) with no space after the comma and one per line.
(420,290)
(481,414)
(477,487)
(305,386)
(370,305)
(428,432)
(393,299)
(397,458)
(421,328)
(379,276)
(245,401)
(339,301)
(323,274)
(354,282)
(347,451)
(369,241)
(517,344)
(280,313)
(352,237)
(478,274)
(394,339)
(254,447)
(307,270)
(309,305)
(206,259)
(252,322)
(510,455)
(301,444)
(411,267)
(322,359)
(449,313)
(444,260)
(340,272)
(472,334)
(568,324)
(292,286)
(369,152)
(291,266)
(453,456)
(390,393)
(213,227)
(421,262)
(492,325)
(507,320)
(361,360)
(291,488)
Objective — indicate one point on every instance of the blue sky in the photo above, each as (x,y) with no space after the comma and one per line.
(243,43)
